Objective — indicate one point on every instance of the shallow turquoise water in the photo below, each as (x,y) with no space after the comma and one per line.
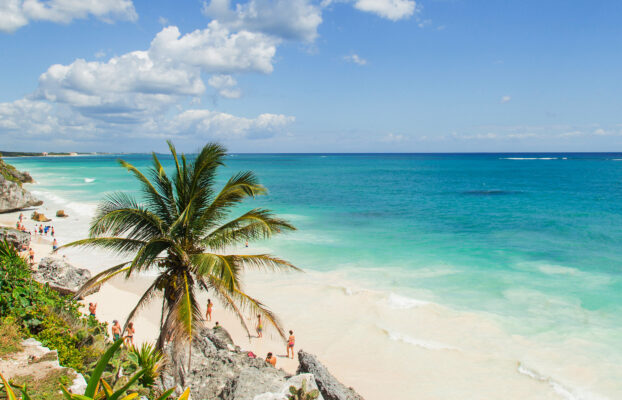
(533,242)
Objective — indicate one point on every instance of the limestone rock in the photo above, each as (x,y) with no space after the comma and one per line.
(329,386)
(295,381)
(60,275)
(19,239)
(13,197)
(39,217)
(61,214)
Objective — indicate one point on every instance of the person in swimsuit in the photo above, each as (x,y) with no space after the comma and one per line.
(290,343)
(210,305)
(92,309)
(40,229)
(270,359)
(52,231)
(116,330)
(129,335)
(54,244)
(31,256)
(259,327)
(21,217)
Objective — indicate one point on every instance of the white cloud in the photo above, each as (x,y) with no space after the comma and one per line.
(355,58)
(14,14)
(393,138)
(390,9)
(148,92)
(286,19)
(225,84)
(163,21)
(505,99)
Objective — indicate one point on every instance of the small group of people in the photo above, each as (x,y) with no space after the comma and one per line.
(291,341)
(128,336)
(44,230)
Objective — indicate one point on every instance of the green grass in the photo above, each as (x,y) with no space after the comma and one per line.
(10,337)
(47,387)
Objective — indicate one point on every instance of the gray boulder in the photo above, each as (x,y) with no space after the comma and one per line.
(295,381)
(17,238)
(218,373)
(329,386)
(60,275)
(13,197)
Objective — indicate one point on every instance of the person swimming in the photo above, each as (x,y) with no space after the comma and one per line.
(270,359)
(210,305)
(259,327)
(116,330)
(290,343)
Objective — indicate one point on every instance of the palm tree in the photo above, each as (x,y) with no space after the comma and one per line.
(182,229)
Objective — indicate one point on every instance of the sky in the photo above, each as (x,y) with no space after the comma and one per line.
(311,75)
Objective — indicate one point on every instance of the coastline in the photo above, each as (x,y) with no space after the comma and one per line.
(364,336)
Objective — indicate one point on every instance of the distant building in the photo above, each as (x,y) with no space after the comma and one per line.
(45,153)
(73,154)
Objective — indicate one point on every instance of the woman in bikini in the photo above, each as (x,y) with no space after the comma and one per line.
(208,315)
(129,335)
(290,343)
(259,327)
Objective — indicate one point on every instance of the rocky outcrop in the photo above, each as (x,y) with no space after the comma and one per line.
(61,214)
(39,363)
(60,275)
(295,381)
(39,217)
(19,239)
(13,197)
(329,386)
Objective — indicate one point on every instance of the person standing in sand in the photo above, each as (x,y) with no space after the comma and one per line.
(270,359)
(92,309)
(290,343)
(21,217)
(210,305)
(54,244)
(116,330)
(31,256)
(129,335)
(259,327)
(52,231)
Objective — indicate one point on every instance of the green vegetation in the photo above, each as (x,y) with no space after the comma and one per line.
(301,393)
(44,314)
(44,388)
(9,172)
(10,337)
(182,230)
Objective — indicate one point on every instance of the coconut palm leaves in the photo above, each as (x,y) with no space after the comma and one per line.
(182,227)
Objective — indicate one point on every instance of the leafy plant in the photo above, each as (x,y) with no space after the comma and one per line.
(181,230)
(148,358)
(9,252)
(301,393)
(10,394)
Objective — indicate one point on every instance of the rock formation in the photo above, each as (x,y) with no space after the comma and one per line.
(13,197)
(19,239)
(60,275)
(38,363)
(329,386)
(39,217)
(218,372)
(61,214)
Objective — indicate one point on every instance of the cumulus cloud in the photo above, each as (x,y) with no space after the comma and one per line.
(389,9)
(356,59)
(226,86)
(505,99)
(15,14)
(143,92)
(286,19)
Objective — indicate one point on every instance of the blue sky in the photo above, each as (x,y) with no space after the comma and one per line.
(311,76)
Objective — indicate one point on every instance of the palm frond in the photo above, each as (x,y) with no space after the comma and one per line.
(149,294)
(255,224)
(100,278)
(119,245)
(120,215)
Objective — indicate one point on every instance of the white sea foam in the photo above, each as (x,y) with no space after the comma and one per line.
(398,302)
(429,345)
(89,180)
(558,270)
(563,391)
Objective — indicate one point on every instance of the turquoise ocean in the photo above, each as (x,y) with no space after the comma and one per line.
(532,242)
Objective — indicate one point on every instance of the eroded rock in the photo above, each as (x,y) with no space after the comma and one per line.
(19,239)
(13,197)
(60,275)
(39,217)
(329,386)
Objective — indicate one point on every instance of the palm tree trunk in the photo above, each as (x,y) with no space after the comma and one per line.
(162,314)
(189,354)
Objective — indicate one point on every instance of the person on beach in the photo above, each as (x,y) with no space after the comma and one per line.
(40,229)
(31,256)
(54,244)
(92,309)
(52,231)
(270,359)
(21,217)
(116,330)
(17,224)
(216,325)
(290,343)
(129,335)
(210,305)
(259,327)
(247,243)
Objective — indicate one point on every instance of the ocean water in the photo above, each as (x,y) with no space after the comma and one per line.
(519,254)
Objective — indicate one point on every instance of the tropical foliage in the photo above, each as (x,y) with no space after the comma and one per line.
(181,227)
